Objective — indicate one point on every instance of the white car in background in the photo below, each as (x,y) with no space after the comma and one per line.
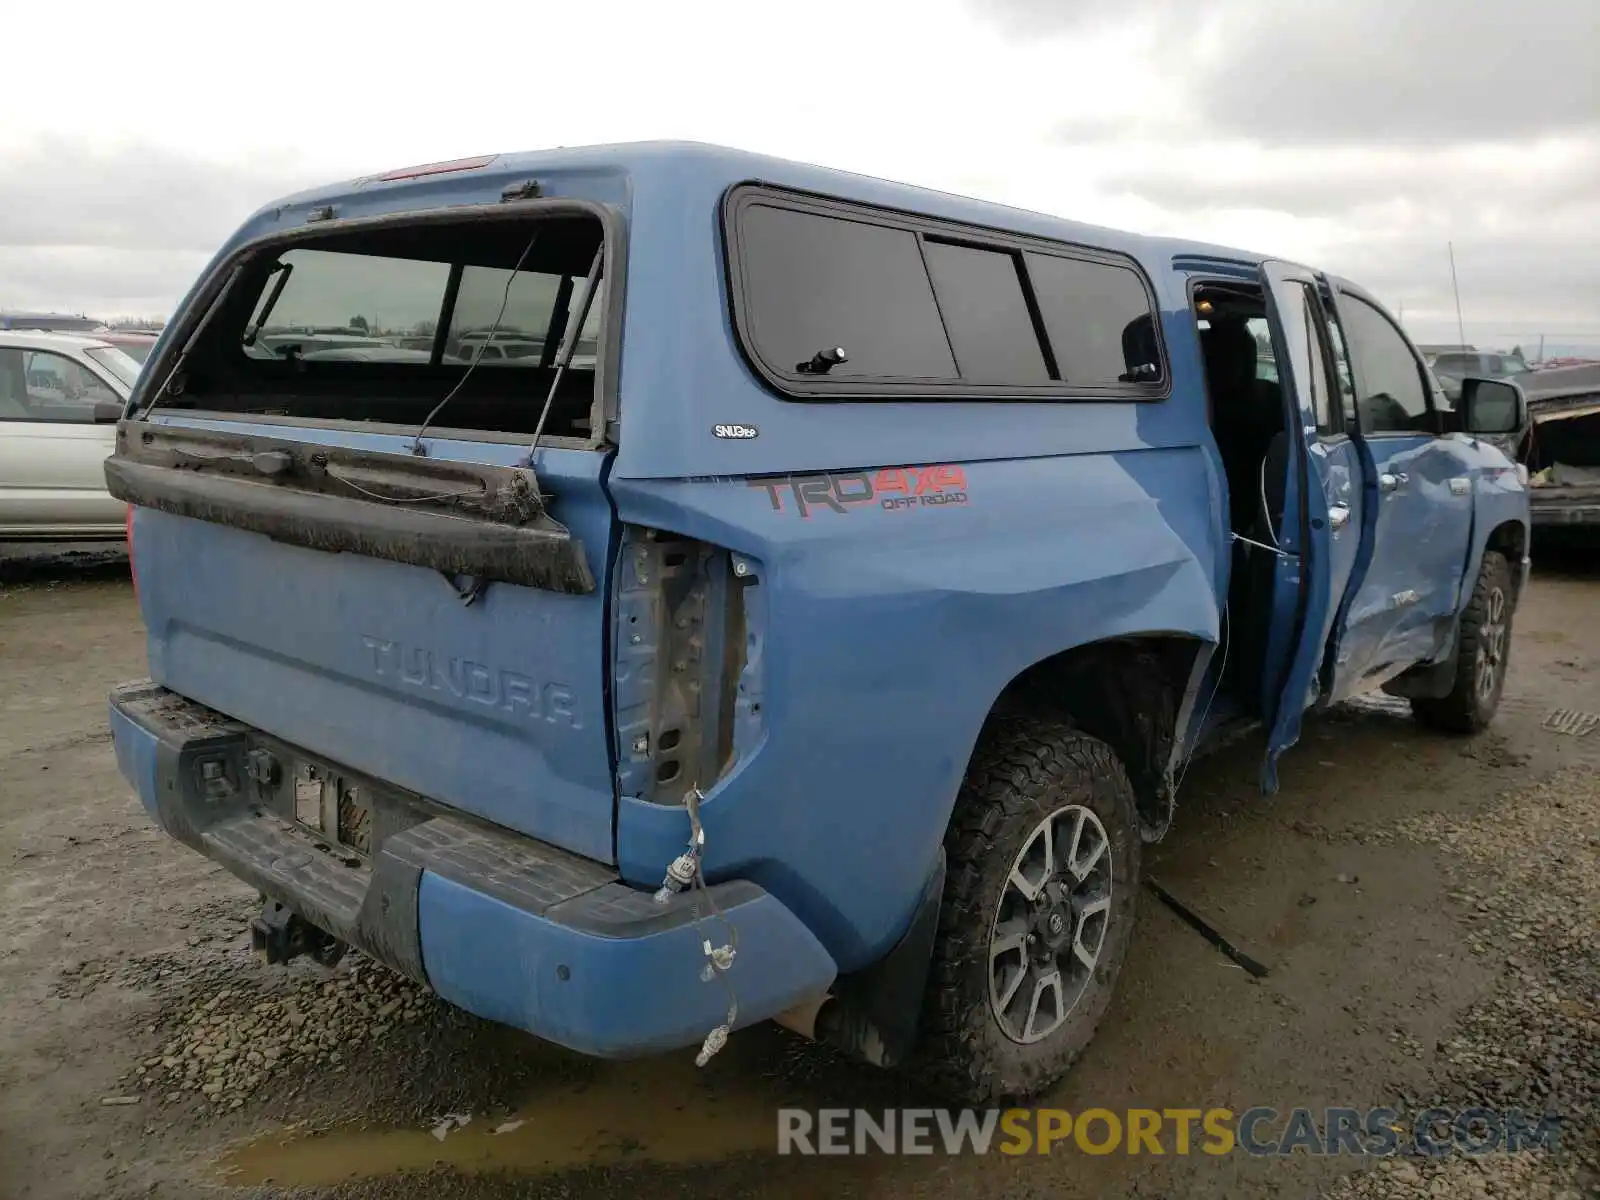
(60,398)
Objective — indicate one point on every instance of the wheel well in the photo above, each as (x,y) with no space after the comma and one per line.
(1510,538)
(1129,693)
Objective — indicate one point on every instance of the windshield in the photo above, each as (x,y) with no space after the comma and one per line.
(124,368)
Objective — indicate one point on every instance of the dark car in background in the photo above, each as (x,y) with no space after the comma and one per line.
(1450,367)
(1562,451)
(49,322)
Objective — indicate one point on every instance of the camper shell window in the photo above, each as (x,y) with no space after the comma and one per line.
(845,301)
(379,322)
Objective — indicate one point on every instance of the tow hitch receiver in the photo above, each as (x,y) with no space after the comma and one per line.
(279,935)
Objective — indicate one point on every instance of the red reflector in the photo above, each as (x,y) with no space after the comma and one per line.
(439,168)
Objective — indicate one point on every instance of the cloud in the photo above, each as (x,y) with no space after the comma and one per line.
(1523,233)
(103,282)
(1036,18)
(1359,72)
(1356,134)
(130,197)
(122,229)
(1377,72)
(1339,181)
(1360,136)
(1510,281)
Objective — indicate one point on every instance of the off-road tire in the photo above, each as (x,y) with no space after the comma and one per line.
(1468,708)
(1024,769)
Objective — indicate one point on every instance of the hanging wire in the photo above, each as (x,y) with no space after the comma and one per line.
(505,299)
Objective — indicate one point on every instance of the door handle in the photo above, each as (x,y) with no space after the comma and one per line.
(1390,483)
(1338,516)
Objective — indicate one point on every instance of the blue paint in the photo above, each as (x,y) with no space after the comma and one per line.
(992,583)
(1500,505)
(136,758)
(497,709)
(1303,576)
(612,997)
(1417,534)
(878,639)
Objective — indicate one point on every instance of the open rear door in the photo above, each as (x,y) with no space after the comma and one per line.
(1302,599)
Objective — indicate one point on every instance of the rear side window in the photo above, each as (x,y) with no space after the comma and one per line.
(815,283)
(926,308)
(986,313)
(1091,311)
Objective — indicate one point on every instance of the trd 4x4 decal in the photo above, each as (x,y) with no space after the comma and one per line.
(892,488)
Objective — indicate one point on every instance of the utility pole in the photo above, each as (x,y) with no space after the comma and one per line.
(1461,328)
(1541,347)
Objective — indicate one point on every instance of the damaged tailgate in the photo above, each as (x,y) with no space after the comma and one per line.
(485,522)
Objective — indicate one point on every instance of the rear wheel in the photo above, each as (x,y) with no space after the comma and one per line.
(1041,882)
(1482,657)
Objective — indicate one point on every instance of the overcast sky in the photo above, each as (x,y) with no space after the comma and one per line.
(1357,135)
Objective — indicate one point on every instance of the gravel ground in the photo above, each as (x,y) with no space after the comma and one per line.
(1427,908)
(1516,1177)
(228,1046)
(1526,872)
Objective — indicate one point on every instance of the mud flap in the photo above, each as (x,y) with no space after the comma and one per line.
(876,1014)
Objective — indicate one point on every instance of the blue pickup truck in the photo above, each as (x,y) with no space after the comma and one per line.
(810,626)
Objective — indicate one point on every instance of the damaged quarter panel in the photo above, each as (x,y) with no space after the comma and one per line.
(838,800)
(906,561)
(1499,513)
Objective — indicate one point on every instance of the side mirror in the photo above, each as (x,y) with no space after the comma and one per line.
(107,412)
(1491,407)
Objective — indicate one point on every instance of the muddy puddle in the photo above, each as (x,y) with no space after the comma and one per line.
(663,1111)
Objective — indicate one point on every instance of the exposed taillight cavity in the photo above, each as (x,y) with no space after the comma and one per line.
(686,689)
(133,570)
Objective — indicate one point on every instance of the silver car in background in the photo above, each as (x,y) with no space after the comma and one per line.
(60,398)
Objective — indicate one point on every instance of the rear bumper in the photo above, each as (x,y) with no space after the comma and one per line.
(499,924)
(1565,507)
